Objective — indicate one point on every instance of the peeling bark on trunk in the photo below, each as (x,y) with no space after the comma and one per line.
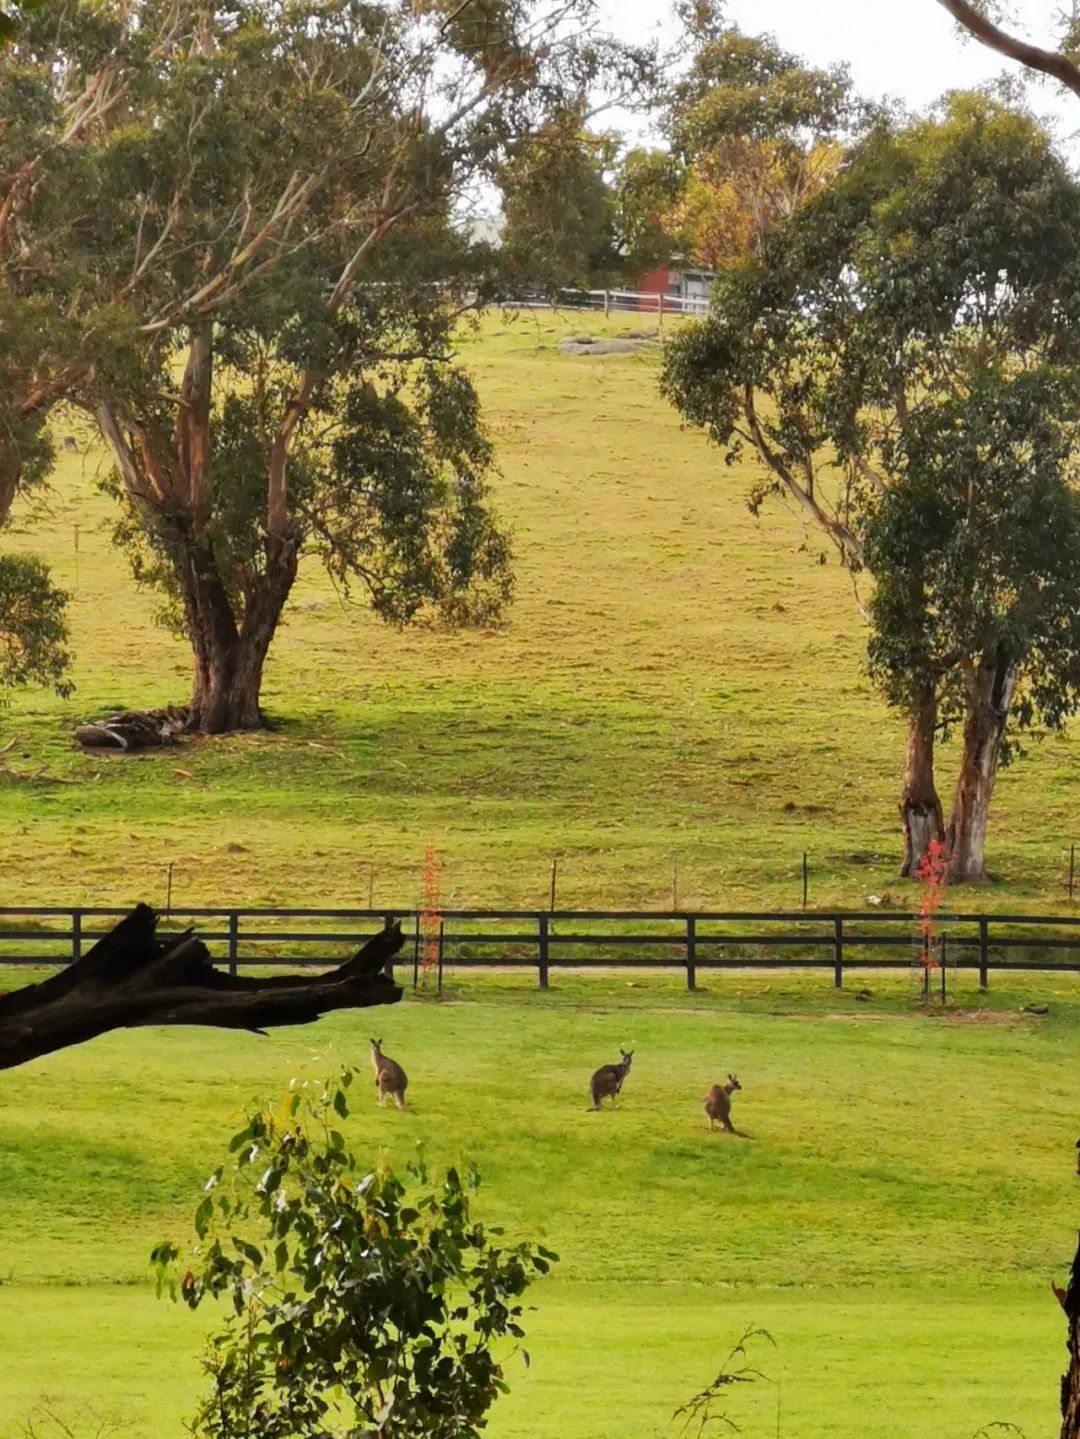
(1070,1382)
(920,807)
(990,691)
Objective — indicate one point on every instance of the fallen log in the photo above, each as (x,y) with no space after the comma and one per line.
(134,729)
(132,978)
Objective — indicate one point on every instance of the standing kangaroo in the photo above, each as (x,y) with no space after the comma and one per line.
(390,1078)
(607,1082)
(718,1104)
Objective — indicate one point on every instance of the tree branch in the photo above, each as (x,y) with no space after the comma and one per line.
(848,546)
(131,979)
(1049,62)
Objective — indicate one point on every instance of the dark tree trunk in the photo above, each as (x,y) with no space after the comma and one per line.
(10,475)
(229,657)
(920,807)
(1070,1382)
(990,692)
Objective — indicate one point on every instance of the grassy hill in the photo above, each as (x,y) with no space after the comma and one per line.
(676,679)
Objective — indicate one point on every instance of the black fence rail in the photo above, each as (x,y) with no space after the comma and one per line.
(539,940)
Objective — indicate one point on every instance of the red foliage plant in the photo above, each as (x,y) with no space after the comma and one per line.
(932,871)
(430,915)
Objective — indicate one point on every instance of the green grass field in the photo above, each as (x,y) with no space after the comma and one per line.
(676,680)
(894,1221)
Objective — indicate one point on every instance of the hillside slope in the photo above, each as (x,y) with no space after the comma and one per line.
(676,680)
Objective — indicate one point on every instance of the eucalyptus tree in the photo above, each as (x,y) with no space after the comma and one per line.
(752,134)
(976,558)
(942,255)
(37,347)
(247,216)
(559,211)
(33,633)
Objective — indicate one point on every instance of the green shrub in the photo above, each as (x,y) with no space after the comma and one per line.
(359,1308)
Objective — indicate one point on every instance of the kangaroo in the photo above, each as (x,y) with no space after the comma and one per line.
(607,1082)
(718,1104)
(390,1078)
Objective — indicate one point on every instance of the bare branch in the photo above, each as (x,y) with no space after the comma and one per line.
(1048,62)
(838,533)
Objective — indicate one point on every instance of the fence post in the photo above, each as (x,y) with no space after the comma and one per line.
(838,952)
(691,952)
(234,940)
(76,935)
(542,951)
(944,948)
(442,929)
(984,954)
(388,967)
(416,953)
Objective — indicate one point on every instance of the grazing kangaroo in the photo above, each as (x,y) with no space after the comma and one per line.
(390,1078)
(718,1104)
(607,1082)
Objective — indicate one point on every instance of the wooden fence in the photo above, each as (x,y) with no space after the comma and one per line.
(539,940)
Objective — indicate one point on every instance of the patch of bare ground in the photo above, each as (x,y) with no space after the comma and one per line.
(973,1016)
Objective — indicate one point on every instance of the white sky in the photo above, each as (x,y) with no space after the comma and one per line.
(909,49)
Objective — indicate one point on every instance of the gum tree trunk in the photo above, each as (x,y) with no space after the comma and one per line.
(229,657)
(920,807)
(990,689)
(230,619)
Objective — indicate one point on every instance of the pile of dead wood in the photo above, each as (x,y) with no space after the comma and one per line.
(135,729)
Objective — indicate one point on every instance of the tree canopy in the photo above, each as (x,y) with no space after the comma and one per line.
(752,134)
(248,220)
(941,262)
(559,208)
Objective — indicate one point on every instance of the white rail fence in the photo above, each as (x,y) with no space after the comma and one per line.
(648,302)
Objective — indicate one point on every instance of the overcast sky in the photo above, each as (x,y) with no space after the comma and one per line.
(904,48)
